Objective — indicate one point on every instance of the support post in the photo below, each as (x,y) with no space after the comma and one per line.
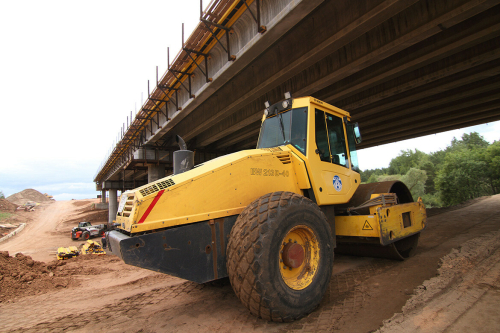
(113,205)
(155,172)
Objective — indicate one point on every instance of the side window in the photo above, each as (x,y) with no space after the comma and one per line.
(322,136)
(351,139)
(337,140)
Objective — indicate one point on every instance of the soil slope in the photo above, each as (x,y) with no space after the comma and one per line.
(103,294)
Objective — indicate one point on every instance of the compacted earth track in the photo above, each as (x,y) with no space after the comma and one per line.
(103,294)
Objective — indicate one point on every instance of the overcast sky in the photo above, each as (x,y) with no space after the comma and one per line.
(71,72)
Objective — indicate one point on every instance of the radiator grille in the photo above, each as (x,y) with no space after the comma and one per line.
(166,183)
(285,159)
(127,209)
(157,187)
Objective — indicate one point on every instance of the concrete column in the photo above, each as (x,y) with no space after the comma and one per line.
(155,172)
(113,205)
(103,196)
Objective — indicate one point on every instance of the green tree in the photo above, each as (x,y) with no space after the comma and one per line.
(415,180)
(373,178)
(1,195)
(371,174)
(405,160)
(468,141)
(492,159)
(463,176)
(388,178)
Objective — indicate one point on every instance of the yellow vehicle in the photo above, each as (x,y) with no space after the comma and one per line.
(91,247)
(64,253)
(270,218)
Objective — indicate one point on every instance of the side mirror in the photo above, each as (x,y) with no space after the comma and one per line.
(357,133)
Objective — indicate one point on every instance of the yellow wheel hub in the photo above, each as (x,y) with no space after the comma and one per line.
(299,257)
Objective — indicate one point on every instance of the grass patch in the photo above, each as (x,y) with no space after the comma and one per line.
(3,215)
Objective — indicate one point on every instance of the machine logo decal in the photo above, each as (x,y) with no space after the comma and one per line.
(151,206)
(337,183)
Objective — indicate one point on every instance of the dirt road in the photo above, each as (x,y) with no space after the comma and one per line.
(362,294)
(46,232)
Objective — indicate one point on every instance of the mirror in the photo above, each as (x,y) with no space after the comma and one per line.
(357,133)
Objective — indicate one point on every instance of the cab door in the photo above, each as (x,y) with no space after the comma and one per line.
(333,179)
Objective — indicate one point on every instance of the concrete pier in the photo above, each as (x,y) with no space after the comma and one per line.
(113,205)
(155,172)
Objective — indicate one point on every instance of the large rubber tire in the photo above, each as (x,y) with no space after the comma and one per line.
(86,235)
(253,256)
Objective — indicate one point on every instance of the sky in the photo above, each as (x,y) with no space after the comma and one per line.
(71,72)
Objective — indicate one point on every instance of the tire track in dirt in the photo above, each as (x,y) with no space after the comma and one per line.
(145,310)
(361,293)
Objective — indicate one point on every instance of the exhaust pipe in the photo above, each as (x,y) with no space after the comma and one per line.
(183,158)
(181,143)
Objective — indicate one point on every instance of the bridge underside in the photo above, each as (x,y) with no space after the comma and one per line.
(403,69)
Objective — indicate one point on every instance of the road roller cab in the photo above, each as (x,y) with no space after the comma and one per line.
(270,218)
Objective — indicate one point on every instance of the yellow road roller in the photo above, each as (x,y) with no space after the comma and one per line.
(269,218)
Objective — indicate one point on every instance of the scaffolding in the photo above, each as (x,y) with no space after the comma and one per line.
(214,26)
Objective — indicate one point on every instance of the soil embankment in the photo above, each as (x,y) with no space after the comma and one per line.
(460,247)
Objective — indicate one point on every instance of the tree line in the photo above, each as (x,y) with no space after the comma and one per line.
(468,168)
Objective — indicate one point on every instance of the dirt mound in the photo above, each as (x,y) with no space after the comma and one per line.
(30,194)
(7,206)
(22,276)
(88,213)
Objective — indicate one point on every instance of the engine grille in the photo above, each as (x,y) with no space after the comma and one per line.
(129,204)
(157,187)
(285,159)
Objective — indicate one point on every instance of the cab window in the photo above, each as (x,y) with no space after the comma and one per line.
(337,140)
(289,127)
(323,149)
(351,139)
(330,139)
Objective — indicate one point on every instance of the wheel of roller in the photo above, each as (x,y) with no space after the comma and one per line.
(280,256)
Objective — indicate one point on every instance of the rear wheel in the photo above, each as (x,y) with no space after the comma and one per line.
(280,256)
(86,235)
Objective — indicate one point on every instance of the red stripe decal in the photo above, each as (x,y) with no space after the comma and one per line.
(151,206)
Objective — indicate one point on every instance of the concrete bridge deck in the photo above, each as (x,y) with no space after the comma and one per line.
(402,68)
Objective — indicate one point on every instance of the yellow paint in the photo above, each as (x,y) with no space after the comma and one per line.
(387,222)
(215,189)
(226,185)
(322,173)
(353,226)
(300,277)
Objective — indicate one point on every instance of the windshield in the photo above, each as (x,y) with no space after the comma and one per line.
(289,127)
